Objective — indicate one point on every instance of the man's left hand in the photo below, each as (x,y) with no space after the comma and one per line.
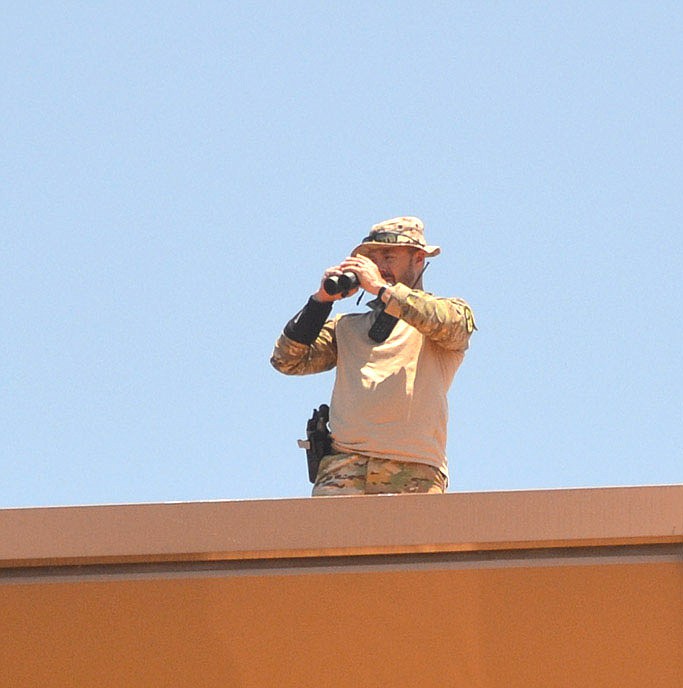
(368,273)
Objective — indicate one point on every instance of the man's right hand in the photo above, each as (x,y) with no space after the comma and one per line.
(322,296)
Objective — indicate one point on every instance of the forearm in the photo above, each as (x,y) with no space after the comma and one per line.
(307,344)
(448,322)
(306,325)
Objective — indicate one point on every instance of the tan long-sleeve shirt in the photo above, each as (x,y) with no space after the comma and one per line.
(389,399)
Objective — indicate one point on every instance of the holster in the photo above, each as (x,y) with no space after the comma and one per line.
(318,442)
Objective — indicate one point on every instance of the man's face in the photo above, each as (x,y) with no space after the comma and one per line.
(397,263)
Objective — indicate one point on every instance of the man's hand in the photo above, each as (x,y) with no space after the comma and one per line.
(368,273)
(321,295)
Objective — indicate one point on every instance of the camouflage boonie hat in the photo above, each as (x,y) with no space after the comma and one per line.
(399,231)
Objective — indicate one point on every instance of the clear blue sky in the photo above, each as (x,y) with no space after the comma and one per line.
(176,176)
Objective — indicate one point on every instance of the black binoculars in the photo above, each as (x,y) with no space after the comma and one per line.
(341,284)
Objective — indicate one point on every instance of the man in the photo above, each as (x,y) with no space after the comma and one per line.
(389,410)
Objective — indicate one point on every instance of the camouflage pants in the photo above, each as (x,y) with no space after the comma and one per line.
(347,474)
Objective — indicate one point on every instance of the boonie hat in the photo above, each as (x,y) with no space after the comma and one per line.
(399,231)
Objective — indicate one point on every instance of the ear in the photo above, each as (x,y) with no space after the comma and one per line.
(419,258)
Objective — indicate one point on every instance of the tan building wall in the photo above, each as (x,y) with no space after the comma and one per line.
(545,588)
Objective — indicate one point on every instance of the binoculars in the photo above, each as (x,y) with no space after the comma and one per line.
(341,284)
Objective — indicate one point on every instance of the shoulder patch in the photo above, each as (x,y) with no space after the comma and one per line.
(470,323)
(469,320)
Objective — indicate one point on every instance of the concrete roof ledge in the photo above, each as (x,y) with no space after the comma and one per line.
(336,526)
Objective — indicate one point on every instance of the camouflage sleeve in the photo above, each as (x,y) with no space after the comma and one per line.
(293,358)
(446,321)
